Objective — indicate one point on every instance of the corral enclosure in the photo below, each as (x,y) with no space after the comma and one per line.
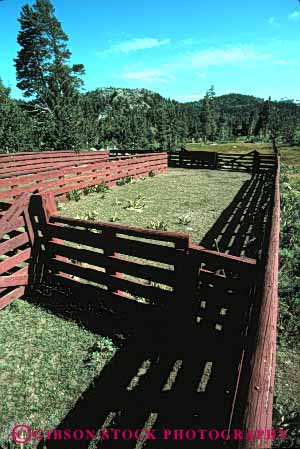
(180,200)
(210,296)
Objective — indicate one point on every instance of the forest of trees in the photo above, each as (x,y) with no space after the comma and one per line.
(56,114)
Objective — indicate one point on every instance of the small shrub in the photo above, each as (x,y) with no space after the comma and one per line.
(102,188)
(115,218)
(105,345)
(159,225)
(91,215)
(152,174)
(117,202)
(74,195)
(138,203)
(184,219)
(89,189)
(124,181)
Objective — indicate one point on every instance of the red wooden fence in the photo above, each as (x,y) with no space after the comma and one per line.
(134,272)
(16,236)
(250,162)
(29,163)
(63,180)
(262,367)
(129,269)
(15,250)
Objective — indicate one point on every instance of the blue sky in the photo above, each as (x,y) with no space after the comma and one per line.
(176,48)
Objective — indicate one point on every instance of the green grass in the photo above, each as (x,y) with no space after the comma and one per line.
(46,364)
(232,147)
(181,200)
(286,412)
(287,387)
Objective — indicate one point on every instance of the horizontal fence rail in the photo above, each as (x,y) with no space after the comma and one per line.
(261,370)
(121,261)
(131,272)
(29,163)
(16,237)
(252,162)
(63,180)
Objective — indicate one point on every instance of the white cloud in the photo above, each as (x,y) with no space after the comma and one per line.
(294,15)
(134,45)
(150,76)
(195,65)
(273,21)
(220,57)
(281,62)
(187,42)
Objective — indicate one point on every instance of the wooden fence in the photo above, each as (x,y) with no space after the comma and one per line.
(67,178)
(227,300)
(16,237)
(252,162)
(147,277)
(29,163)
(261,367)
(15,250)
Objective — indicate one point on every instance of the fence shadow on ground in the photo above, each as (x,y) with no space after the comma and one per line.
(152,382)
(242,227)
(157,379)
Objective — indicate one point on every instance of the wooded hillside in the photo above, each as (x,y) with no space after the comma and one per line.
(141,119)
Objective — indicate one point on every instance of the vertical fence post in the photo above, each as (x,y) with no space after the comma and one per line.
(215,167)
(109,236)
(39,210)
(256,162)
(185,304)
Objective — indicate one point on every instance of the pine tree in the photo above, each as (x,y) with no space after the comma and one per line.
(44,75)
(208,116)
(262,127)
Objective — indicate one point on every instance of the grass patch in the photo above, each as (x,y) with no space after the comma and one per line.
(46,364)
(200,195)
(231,147)
(286,412)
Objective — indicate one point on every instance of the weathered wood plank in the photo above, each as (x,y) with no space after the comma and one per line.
(116,283)
(15,260)
(13,243)
(11,296)
(147,272)
(258,414)
(15,280)
(180,239)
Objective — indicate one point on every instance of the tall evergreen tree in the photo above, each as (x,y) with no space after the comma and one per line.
(208,116)
(44,74)
(262,126)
